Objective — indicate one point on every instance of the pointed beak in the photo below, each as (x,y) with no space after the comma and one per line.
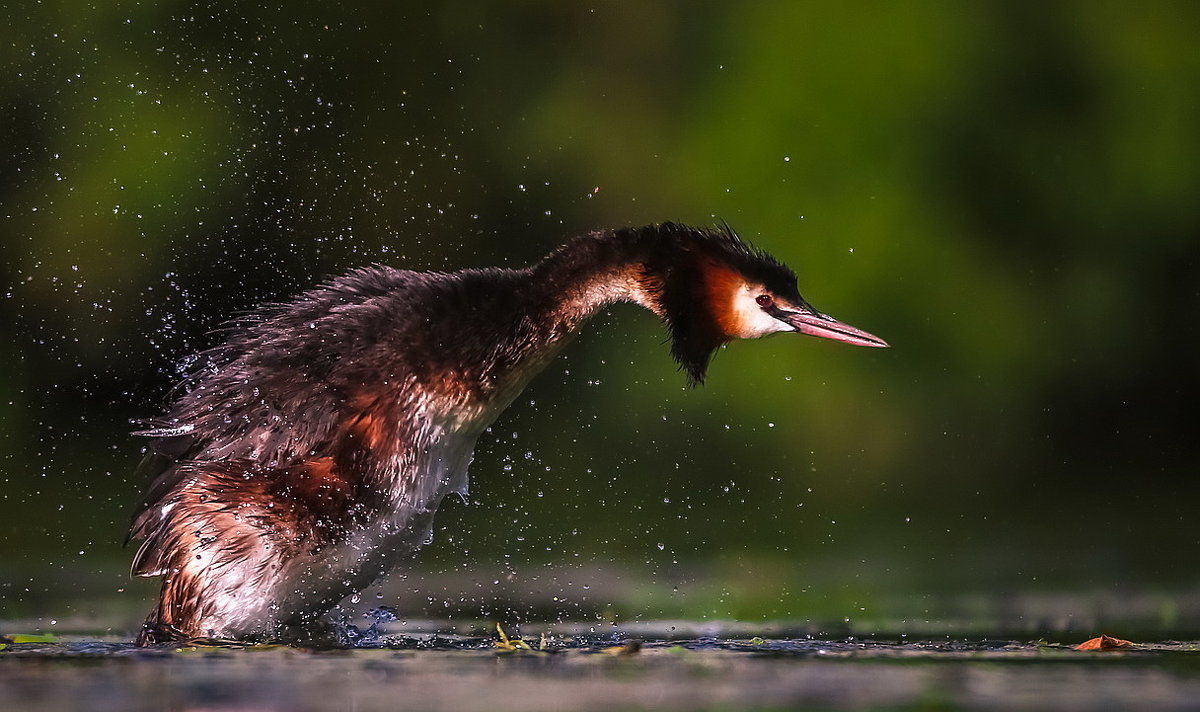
(807,320)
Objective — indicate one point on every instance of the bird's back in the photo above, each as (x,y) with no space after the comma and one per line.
(355,405)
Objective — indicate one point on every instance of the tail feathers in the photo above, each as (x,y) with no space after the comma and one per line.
(222,537)
(178,613)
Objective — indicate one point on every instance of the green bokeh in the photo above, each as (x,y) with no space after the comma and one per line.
(1005,191)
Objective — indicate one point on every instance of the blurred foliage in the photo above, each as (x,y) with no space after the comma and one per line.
(1006,191)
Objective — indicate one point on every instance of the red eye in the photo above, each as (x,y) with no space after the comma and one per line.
(764,300)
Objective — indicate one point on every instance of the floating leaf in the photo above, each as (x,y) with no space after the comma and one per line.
(1105,642)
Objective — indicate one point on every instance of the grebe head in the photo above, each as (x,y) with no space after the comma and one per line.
(717,288)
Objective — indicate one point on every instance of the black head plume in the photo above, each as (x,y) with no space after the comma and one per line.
(696,265)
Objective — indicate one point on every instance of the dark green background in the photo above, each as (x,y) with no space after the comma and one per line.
(1008,192)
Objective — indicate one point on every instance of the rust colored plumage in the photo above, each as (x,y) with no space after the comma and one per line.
(720,284)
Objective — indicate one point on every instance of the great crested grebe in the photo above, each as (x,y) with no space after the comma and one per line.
(308,452)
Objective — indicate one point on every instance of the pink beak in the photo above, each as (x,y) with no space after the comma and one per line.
(814,323)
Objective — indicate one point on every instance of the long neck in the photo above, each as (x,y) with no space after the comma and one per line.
(657,266)
(503,326)
(510,324)
(596,270)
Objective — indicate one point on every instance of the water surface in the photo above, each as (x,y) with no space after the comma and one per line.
(612,669)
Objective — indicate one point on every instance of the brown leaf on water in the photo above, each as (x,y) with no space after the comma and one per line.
(1106,642)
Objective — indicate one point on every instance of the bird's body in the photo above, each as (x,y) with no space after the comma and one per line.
(308,452)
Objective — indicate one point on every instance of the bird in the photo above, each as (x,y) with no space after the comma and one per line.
(305,454)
